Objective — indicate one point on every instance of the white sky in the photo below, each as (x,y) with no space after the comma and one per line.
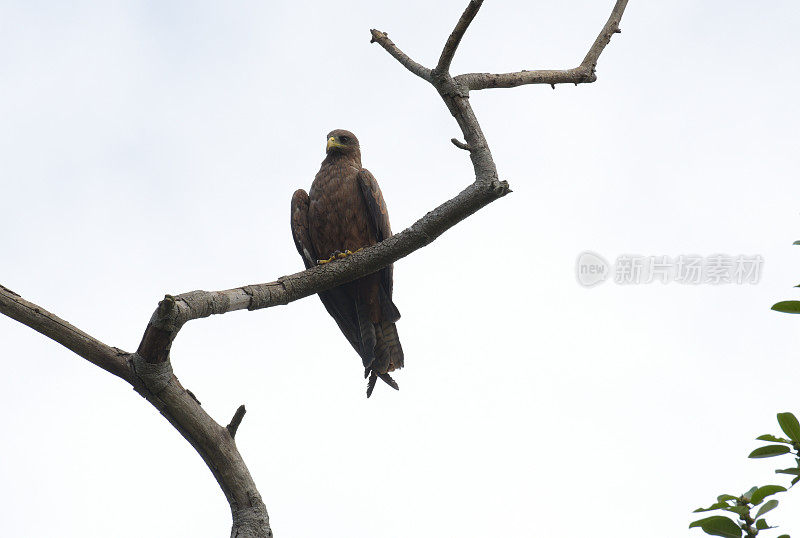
(152,147)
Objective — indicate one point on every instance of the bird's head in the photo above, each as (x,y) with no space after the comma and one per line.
(342,142)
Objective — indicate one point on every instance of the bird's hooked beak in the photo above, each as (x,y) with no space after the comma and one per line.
(332,143)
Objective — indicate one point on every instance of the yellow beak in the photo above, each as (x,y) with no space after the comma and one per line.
(332,143)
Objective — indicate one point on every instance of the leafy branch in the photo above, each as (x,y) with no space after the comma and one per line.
(742,506)
(748,525)
(790,426)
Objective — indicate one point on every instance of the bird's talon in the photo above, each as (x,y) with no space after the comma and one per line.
(336,255)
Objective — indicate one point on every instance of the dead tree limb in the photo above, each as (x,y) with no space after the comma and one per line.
(159,386)
(585,72)
(149,370)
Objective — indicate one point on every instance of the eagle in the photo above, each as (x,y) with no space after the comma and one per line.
(344,212)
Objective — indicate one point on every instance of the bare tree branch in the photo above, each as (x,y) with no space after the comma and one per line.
(236,420)
(611,27)
(584,73)
(482,81)
(174,311)
(455,37)
(159,386)
(419,70)
(37,318)
(460,145)
(149,370)
(214,443)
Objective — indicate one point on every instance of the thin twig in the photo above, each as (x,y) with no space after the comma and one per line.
(459,144)
(453,41)
(382,38)
(611,27)
(236,420)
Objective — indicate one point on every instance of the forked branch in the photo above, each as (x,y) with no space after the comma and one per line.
(583,73)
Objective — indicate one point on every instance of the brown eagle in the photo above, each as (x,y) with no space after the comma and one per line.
(345,212)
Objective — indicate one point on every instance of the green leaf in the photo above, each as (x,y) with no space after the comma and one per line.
(749,493)
(767,506)
(784,536)
(725,497)
(789,425)
(792,470)
(761,524)
(773,439)
(794,480)
(715,506)
(796,243)
(789,307)
(765,491)
(741,510)
(718,526)
(769,451)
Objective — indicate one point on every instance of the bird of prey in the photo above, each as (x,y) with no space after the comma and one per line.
(343,213)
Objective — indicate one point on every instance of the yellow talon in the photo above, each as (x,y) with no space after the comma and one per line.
(339,255)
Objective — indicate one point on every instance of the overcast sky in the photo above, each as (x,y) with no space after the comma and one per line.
(152,147)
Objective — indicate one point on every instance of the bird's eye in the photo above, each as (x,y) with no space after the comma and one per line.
(344,139)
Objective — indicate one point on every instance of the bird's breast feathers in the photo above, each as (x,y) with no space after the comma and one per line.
(337,214)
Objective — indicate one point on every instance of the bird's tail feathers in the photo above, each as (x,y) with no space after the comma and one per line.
(371,383)
(388,356)
(389,381)
(373,378)
(388,351)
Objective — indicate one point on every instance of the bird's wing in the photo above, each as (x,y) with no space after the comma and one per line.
(376,205)
(300,234)
(338,304)
(379,217)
